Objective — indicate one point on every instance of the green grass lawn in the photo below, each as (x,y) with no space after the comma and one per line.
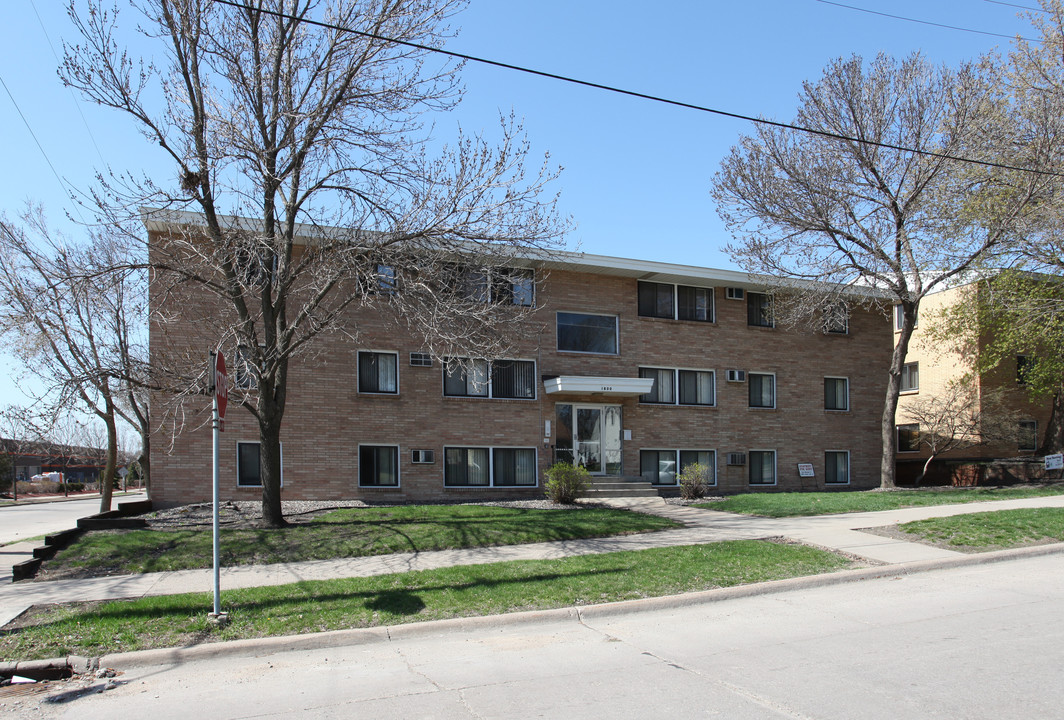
(350,532)
(828,503)
(991,530)
(178,620)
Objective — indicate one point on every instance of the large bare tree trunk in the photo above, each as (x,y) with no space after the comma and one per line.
(888,467)
(111,463)
(1053,440)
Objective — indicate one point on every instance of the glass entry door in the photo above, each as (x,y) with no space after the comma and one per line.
(590,435)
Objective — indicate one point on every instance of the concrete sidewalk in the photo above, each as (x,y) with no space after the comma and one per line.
(835,532)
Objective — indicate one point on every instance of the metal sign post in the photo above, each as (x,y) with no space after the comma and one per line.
(219,392)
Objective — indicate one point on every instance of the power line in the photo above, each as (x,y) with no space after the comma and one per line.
(924,22)
(641,96)
(48,160)
(1021,7)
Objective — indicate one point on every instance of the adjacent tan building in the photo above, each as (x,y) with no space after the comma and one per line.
(628,367)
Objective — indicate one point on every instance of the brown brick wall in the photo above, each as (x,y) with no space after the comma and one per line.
(327,418)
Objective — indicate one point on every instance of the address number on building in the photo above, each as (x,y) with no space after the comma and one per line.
(605,388)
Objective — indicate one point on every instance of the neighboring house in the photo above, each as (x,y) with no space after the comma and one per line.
(933,367)
(78,464)
(628,367)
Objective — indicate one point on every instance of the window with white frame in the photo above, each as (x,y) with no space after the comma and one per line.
(759,309)
(378,466)
(1028,435)
(586,333)
(761,466)
(378,372)
(696,387)
(707,458)
(837,467)
(662,467)
(489,467)
(836,393)
(664,389)
(762,387)
(910,377)
(510,379)
(249,464)
(899,317)
(244,372)
(679,302)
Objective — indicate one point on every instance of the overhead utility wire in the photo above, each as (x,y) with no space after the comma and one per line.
(643,96)
(922,22)
(1021,7)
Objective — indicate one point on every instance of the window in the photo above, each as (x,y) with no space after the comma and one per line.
(1024,363)
(579,332)
(837,467)
(910,377)
(658,466)
(1028,435)
(244,372)
(837,318)
(694,303)
(386,282)
(378,372)
(489,467)
(496,379)
(762,390)
(762,467)
(683,302)
(465,379)
(836,393)
(708,458)
(664,390)
(899,317)
(249,465)
(909,437)
(518,288)
(378,466)
(656,300)
(697,387)
(499,285)
(758,309)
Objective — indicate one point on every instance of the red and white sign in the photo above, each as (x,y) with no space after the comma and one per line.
(221,388)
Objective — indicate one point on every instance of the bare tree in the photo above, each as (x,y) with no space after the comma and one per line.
(960,418)
(21,430)
(874,200)
(295,134)
(66,305)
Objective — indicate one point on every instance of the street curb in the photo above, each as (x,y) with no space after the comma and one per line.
(364,636)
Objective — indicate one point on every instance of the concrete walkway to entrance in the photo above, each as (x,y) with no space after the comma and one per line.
(835,532)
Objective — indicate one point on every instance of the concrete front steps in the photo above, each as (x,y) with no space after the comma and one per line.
(603,487)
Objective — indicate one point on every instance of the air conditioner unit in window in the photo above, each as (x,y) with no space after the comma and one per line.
(736,376)
(422,457)
(736,458)
(734,293)
(419,359)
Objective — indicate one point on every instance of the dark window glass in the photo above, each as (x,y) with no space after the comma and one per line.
(758,309)
(1028,435)
(762,390)
(910,376)
(696,387)
(655,300)
(513,379)
(377,372)
(466,467)
(514,466)
(248,465)
(694,303)
(836,394)
(909,437)
(1023,368)
(465,379)
(378,466)
(836,468)
(578,332)
(658,466)
(513,286)
(708,458)
(837,318)
(762,464)
(663,390)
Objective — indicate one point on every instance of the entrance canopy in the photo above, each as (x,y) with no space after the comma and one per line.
(605,386)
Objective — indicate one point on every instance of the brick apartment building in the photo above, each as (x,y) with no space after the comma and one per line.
(629,367)
(930,369)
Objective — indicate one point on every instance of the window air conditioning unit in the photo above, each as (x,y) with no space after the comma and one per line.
(736,376)
(734,293)
(419,359)
(736,458)
(422,457)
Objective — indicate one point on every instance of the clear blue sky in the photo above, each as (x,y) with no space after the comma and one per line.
(636,173)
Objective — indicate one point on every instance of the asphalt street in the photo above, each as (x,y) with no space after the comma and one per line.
(24,520)
(983,641)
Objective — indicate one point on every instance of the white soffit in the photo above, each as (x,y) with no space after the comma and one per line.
(591,385)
